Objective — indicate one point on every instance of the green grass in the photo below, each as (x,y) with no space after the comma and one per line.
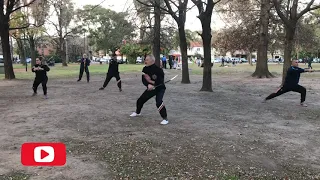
(73,70)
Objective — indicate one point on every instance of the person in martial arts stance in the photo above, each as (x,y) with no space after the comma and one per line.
(113,71)
(291,83)
(41,77)
(153,78)
(85,63)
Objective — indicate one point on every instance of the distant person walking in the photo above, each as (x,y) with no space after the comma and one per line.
(310,60)
(170,62)
(164,62)
(85,63)
(222,62)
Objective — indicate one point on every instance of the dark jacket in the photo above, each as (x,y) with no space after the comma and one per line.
(156,74)
(293,76)
(41,74)
(113,67)
(85,60)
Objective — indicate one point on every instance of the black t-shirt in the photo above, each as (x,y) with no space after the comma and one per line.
(113,67)
(85,60)
(293,76)
(156,74)
(41,74)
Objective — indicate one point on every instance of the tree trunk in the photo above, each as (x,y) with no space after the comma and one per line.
(288,46)
(250,58)
(4,34)
(262,70)
(32,50)
(184,55)
(156,37)
(206,39)
(62,52)
(21,51)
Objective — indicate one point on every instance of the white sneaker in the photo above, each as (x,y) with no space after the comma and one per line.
(134,114)
(303,105)
(164,122)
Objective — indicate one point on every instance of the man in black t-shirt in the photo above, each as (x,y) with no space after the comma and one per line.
(153,78)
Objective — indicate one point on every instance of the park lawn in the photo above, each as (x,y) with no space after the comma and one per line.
(247,70)
(72,70)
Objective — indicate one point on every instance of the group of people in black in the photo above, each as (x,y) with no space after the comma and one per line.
(153,79)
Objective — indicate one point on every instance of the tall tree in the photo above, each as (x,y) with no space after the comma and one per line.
(63,10)
(6,9)
(19,18)
(36,13)
(205,9)
(107,28)
(288,12)
(157,29)
(177,9)
(262,59)
(180,18)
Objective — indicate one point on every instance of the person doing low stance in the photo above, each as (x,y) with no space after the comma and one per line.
(153,78)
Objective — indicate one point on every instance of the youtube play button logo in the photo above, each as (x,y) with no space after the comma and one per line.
(43,154)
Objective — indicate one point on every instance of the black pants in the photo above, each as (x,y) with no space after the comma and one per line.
(109,77)
(170,64)
(149,94)
(309,65)
(164,63)
(285,89)
(86,69)
(37,82)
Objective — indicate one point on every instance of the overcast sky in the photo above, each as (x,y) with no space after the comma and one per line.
(192,22)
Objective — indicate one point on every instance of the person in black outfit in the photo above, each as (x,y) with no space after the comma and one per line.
(291,83)
(85,63)
(153,78)
(41,77)
(222,62)
(113,71)
(170,61)
(310,60)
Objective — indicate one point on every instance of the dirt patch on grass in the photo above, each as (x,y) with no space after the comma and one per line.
(227,134)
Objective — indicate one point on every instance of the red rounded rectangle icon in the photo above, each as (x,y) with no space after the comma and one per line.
(43,154)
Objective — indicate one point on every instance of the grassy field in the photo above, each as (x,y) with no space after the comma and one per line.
(95,69)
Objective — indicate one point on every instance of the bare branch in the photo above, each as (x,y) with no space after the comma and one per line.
(145,4)
(198,3)
(174,4)
(170,11)
(277,6)
(28,4)
(307,9)
(21,27)
(214,3)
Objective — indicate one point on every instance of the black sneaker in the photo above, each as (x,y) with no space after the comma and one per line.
(120,90)
(102,88)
